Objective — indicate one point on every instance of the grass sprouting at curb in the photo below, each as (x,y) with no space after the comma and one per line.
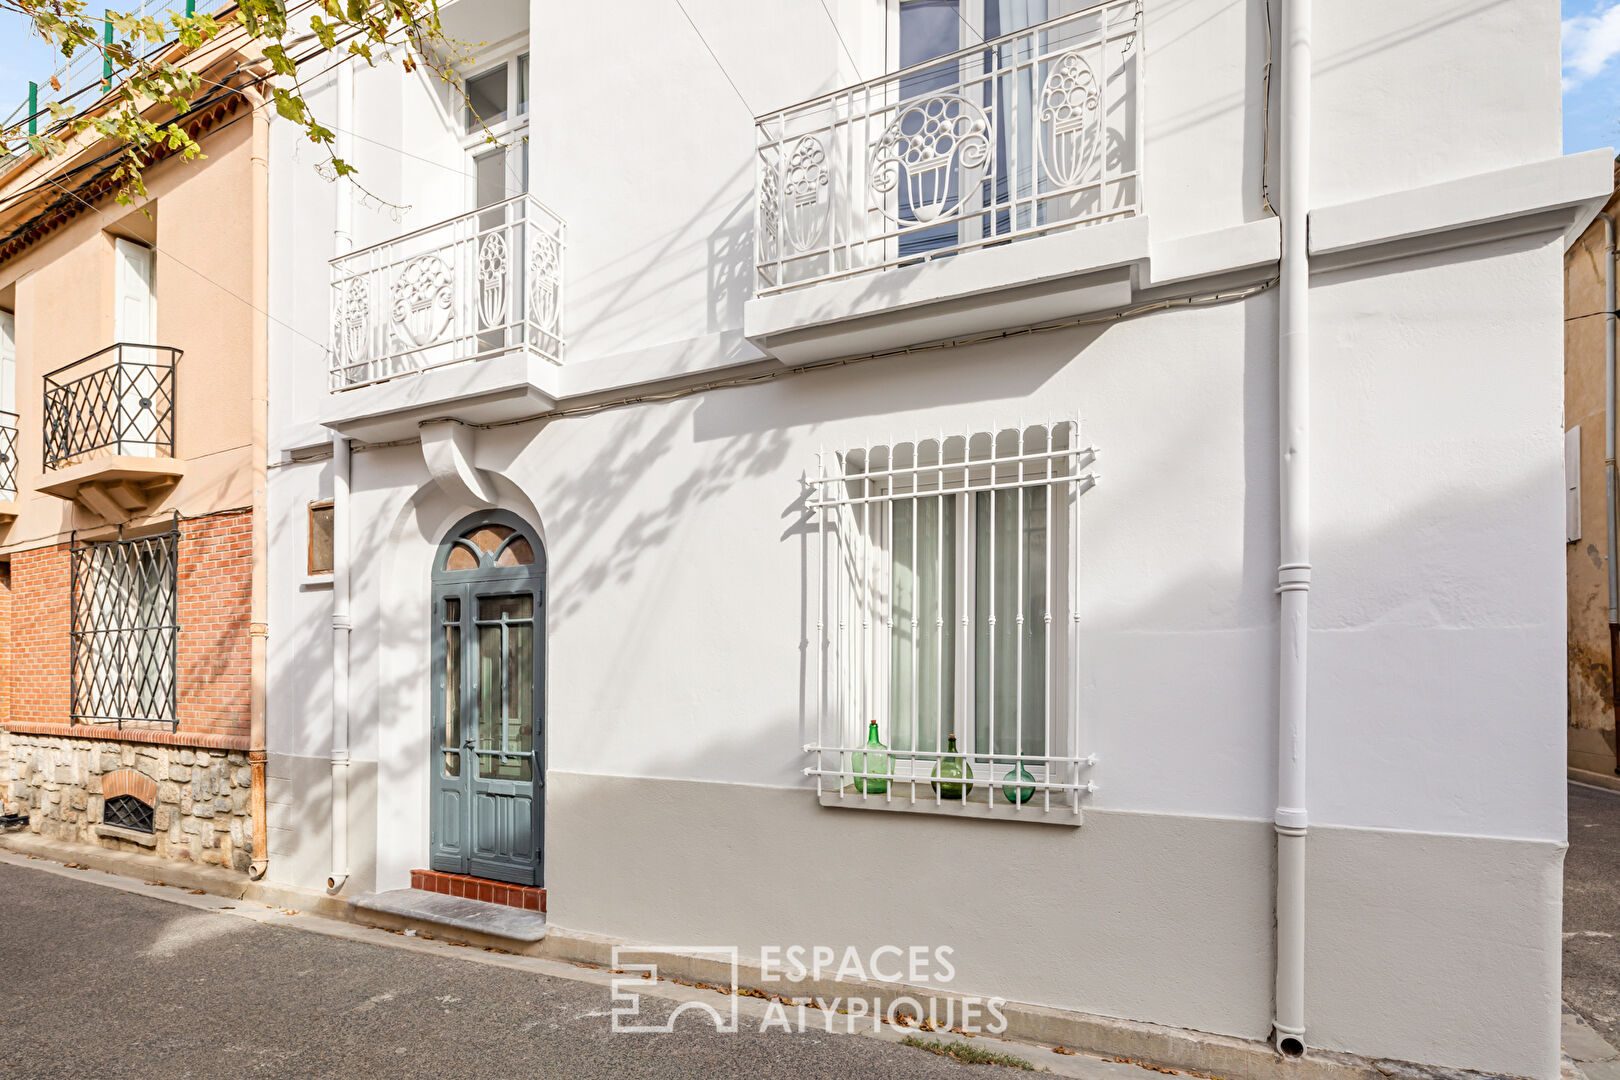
(962,1051)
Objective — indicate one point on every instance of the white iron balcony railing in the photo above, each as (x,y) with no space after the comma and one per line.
(483,284)
(1021,135)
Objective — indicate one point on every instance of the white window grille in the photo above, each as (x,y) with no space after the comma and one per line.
(947,603)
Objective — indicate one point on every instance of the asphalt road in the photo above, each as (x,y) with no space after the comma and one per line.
(98,983)
(1592,909)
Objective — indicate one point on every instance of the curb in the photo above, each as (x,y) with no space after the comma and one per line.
(1594,779)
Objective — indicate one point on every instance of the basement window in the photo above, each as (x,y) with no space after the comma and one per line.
(127,812)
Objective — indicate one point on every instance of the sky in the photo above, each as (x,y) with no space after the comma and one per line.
(1591,74)
(1591,70)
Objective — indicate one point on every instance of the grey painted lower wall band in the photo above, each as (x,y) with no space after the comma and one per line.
(1144,917)
(1420,947)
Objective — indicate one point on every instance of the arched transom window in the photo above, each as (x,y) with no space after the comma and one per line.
(488,545)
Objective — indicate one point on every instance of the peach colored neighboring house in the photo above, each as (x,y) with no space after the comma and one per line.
(1594,635)
(131,517)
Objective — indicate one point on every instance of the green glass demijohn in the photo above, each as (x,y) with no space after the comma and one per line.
(875,765)
(1013,794)
(952,779)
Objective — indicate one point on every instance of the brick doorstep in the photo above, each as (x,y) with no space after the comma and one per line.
(523,897)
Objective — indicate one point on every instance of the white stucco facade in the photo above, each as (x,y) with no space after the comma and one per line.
(680,618)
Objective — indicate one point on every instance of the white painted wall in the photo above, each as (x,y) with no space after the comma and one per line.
(678,554)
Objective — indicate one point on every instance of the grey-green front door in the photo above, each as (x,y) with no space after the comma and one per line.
(488,746)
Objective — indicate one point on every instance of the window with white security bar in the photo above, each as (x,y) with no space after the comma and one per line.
(124,631)
(946,610)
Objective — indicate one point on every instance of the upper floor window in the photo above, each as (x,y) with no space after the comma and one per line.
(135,317)
(8,362)
(497,105)
(497,96)
(945,606)
(8,406)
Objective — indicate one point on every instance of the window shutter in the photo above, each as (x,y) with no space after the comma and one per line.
(1572,484)
(135,319)
(8,362)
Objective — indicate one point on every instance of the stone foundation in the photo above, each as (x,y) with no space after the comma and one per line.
(201,810)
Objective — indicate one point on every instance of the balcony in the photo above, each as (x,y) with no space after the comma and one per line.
(461,318)
(995,187)
(109,430)
(8,467)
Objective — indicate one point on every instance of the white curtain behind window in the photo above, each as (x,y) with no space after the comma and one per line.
(924,567)
(1010,539)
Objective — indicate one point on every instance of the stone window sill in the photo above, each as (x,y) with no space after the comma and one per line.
(900,802)
(113,832)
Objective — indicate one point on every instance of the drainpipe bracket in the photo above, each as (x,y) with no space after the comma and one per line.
(1294,577)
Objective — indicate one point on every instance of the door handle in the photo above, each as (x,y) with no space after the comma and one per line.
(469,745)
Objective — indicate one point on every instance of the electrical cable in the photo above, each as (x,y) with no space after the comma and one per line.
(716,59)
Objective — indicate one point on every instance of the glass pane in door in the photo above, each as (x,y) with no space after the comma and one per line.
(506,687)
(489,171)
(929,28)
(498,240)
(452,686)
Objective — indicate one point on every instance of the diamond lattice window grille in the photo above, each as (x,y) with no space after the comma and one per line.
(125,629)
(127,812)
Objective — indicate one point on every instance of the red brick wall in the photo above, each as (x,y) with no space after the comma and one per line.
(215,594)
(37,662)
(5,640)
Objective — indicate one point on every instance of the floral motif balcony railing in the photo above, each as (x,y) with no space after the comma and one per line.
(1022,135)
(8,455)
(480,285)
(117,401)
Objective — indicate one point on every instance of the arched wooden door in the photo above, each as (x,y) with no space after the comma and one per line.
(488,742)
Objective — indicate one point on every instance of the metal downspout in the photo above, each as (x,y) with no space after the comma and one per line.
(1611,512)
(1294,564)
(342,623)
(258,629)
